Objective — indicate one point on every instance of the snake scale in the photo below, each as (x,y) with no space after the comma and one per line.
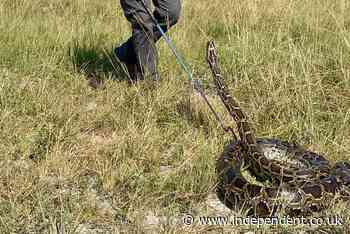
(300,181)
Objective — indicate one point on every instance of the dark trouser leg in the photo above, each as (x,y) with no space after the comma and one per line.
(167,13)
(132,51)
(140,48)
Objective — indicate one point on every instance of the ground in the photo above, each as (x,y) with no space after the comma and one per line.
(136,159)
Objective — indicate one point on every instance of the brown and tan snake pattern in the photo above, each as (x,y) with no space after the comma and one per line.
(300,180)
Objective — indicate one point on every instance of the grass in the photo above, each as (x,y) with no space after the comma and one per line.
(74,159)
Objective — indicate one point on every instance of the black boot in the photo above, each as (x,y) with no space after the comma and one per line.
(134,69)
(135,72)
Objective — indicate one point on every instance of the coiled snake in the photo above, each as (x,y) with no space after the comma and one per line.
(299,180)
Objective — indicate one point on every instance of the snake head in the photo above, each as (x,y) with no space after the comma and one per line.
(211,52)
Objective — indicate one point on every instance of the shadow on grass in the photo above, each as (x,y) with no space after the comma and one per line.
(97,65)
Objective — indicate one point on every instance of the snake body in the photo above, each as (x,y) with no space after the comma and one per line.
(235,191)
(300,180)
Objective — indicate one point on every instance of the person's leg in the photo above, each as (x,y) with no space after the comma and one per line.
(167,13)
(140,48)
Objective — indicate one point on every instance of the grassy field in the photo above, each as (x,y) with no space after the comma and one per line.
(74,159)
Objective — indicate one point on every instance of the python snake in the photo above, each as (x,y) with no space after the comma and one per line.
(301,181)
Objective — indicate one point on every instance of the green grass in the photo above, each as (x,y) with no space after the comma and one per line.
(65,147)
